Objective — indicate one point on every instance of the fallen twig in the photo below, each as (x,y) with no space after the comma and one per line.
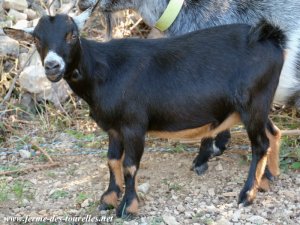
(43,151)
(290,132)
(25,170)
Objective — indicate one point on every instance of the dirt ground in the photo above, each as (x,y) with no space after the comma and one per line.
(176,195)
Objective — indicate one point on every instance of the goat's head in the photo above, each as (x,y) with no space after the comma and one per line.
(57,41)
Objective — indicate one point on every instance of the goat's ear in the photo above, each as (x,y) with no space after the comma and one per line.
(82,18)
(19,35)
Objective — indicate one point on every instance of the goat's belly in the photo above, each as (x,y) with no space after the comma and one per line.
(200,132)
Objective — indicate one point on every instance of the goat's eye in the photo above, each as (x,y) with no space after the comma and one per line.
(71,37)
(36,41)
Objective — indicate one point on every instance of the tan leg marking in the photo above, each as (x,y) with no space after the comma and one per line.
(111,199)
(130,170)
(273,153)
(264,184)
(134,207)
(116,167)
(200,132)
(260,169)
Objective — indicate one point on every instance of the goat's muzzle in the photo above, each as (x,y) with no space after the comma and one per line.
(54,71)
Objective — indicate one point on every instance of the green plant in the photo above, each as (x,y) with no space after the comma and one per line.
(59,194)
(4,190)
(81,197)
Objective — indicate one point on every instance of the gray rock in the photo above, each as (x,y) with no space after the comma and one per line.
(21,24)
(33,80)
(35,22)
(170,220)
(85,203)
(211,191)
(222,221)
(25,154)
(144,188)
(31,14)
(17,15)
(219,167)
(256,219)
(6,23)
(180,208)
(15,4)
(9,47)
(236,216)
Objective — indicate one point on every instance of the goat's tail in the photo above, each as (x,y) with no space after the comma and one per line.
(265,30)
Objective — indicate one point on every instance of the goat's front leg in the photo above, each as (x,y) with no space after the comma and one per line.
(115,152)
(133,140)
(260,147)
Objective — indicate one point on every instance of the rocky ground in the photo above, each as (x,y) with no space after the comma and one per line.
(169,192)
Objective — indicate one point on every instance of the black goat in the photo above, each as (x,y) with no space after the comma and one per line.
(191,86)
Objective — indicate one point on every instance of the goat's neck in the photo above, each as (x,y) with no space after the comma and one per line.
(86,71)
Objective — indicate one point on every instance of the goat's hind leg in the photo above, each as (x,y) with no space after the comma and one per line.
(115,152)
(272,169)
(260,145)
(210,148)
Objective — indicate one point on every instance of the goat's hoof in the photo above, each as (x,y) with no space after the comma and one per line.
(264,185)
(245,198)
(200,170)
(268,175)
(216,151)
(128,208)
(104,206)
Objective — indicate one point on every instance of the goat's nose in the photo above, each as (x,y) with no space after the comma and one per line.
(52,65)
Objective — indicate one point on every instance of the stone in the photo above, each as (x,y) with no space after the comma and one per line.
(222,221)
(170,220)
(256,219)
(33,80)
(15,4)
(6,23)
(211,191)
(31,14)
(236,216)
(25,202)
(144,188)
(230,194)
(188,214)
(180,208)
(219,167)
(17,15)
(35,22)
(25,154)
(21,24)
(85,203)
(43,212)
(8,47)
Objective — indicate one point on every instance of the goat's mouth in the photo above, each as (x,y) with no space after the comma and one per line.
(54,77)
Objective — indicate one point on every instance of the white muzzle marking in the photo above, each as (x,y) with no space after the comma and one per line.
(53,56)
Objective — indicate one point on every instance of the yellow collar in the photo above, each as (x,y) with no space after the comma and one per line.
(169,15)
